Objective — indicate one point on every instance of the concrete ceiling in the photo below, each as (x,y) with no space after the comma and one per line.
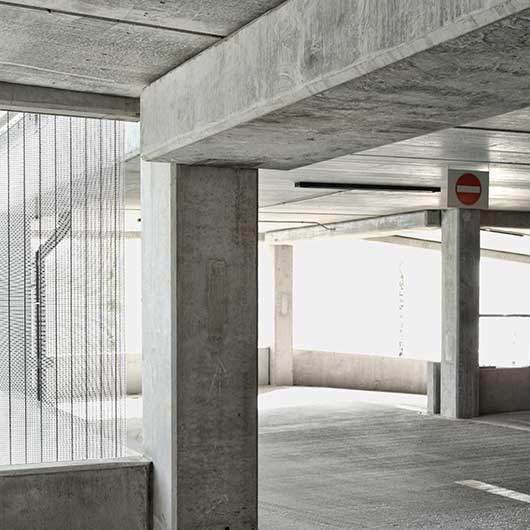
(500,145)
(110,47)
(118,48)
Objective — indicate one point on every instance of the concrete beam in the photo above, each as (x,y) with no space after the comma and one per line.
(460,313)
(435,245)
(26,98)
(505,219)
(314,80)
(360,228)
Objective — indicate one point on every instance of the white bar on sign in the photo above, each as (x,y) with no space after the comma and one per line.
(468,189)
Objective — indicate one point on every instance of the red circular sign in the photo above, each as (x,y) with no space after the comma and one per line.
(468,189)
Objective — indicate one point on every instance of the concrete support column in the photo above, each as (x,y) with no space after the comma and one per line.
(460,313)
(281,361)
(200,344)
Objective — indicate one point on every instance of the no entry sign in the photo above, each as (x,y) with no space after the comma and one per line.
(467,189)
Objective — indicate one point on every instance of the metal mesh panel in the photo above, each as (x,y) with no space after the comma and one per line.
(62,363)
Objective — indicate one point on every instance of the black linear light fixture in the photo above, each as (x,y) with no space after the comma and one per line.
(348,186)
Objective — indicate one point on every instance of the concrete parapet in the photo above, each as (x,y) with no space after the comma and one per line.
(360,372)
(106,494)
(504,389)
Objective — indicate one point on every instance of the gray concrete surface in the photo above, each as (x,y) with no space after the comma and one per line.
(433,388)
(24,98)
(459,386)
(109,47)
(106,495)
(396,71)
(217,17)
(519,420)
(334,463)
(199,332)
(504,390)
(362,372)
(362,228)
(281,352)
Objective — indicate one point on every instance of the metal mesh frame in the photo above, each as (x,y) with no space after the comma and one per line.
(62,364)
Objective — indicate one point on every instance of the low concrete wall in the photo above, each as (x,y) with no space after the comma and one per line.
(504,390)
(106,495)
(360,372)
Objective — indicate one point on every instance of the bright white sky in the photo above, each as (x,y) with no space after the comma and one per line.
(347,299)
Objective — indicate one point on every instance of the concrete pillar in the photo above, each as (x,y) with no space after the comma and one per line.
(200,344)
(460,313)
(281,361)
(433,388)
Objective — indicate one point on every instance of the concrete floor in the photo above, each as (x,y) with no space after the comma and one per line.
(346,459)
(341,459)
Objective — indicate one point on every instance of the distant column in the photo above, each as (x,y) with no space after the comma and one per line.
(281,361)
(460,313)
(199,292)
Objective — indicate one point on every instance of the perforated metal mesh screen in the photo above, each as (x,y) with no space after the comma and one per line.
(62,379)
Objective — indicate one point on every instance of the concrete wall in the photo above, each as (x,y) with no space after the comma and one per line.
(360,372)
(106,495)
(504,390)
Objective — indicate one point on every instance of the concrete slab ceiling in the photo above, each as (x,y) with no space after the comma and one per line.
(315,80)
(499,144)
(111,47)
(215,17)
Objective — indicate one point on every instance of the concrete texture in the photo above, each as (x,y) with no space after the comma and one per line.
(506,220)
(421,161)
(504,390)
(362,372)
(199,325)
(159,336)
(428,244)
(514,420)
(338,464)
(396,70)
(24,98)
(361,228)
(281,353)
(52,49)
(108,47)
(460,313)
(218,17)
(110,495)
(433,388)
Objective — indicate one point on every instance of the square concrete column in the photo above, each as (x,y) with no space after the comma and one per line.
(200,342)
(281,361)
(460,313)
(433,388)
